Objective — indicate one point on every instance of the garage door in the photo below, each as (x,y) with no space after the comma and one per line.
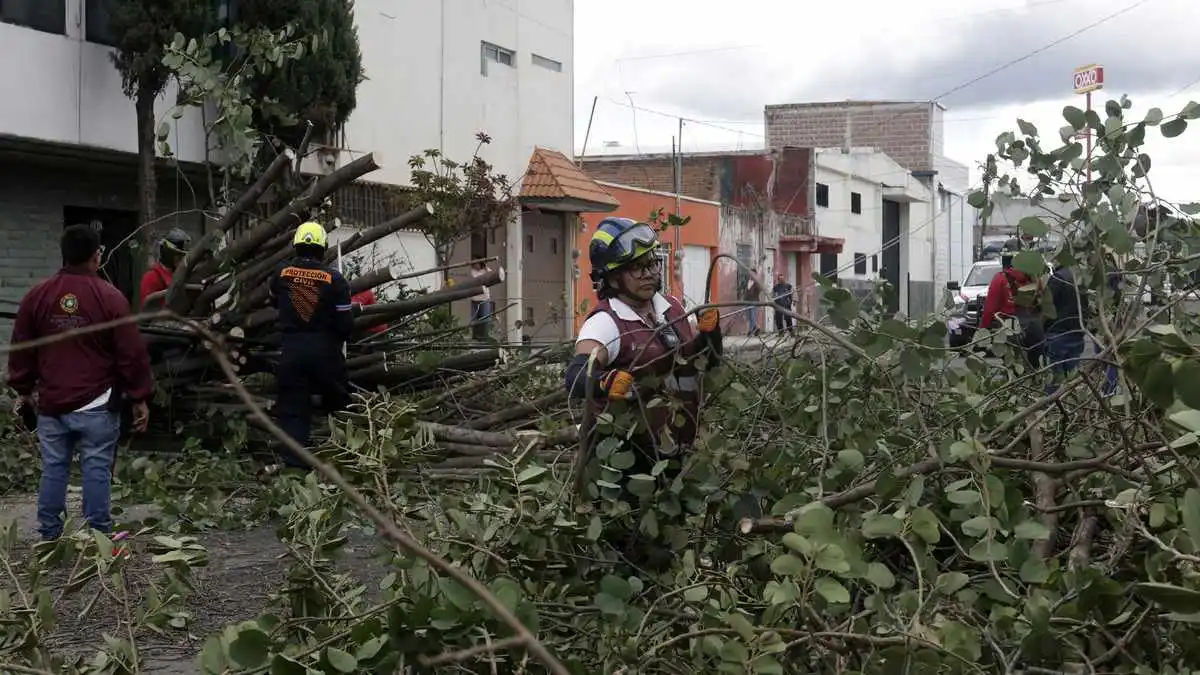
(695,274)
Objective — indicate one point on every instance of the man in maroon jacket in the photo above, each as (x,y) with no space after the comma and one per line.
(78,383)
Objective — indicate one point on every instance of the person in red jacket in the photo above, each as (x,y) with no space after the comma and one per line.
(1001,304)
(364,298)
(155,282)
(78,383)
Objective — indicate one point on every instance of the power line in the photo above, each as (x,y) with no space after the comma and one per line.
(921,106)
(760,45)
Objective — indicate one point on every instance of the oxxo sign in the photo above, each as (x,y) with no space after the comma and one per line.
(1089,78)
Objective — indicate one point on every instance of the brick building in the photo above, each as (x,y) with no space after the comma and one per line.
(912,134)
(766,202)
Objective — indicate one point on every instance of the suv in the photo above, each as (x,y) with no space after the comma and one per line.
(968,301)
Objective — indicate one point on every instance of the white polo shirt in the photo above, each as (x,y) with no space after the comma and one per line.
(603,329)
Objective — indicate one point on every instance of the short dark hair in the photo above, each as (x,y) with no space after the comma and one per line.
(78,244)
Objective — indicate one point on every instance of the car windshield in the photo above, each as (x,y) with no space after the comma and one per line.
(981,275)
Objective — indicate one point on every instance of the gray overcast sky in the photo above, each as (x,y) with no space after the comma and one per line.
(719,63)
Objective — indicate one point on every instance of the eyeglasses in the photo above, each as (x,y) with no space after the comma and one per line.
(649,268)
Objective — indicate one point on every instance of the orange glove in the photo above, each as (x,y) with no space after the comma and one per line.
(708,320)
(617,384)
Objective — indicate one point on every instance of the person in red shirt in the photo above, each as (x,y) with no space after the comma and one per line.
(364,298)
(78,384)
(155,282)
(1001,303)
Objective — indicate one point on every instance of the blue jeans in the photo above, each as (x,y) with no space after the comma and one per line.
(481,318)
(752,319)
(1063,354)
(95,433)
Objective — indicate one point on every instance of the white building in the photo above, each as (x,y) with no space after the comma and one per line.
(885,218)
(438,72)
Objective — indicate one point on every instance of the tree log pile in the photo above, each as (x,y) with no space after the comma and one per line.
(223,285)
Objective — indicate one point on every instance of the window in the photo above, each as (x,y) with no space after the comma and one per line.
(96,22)
(528,316)
(744,255)
(855,202)
(48,16)
(492,236)
(822,195)
(860,263)
(548,64)
(494,53)
(829,265)
(529,243)
(875,263)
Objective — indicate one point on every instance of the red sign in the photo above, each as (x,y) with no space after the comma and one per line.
(1088,78)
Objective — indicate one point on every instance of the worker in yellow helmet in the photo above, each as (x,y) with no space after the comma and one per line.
(316,318)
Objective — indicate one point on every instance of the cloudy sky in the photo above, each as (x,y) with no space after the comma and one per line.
(716,63)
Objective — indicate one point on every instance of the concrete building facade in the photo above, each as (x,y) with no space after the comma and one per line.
(871,202)
(438,73)
(911,133)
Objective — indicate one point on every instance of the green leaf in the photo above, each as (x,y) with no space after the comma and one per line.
(1153,116)
(1174,598)
(924,524)
(977,199)
(851,459)
(989,550)
(1033,226)
(1159,384)
(607,604)
(1188,419)
(977,526)
(696,593)
(798,543)
(949,583)
(880,525)
(1030,262)
(832,590)
(250,648)
(1174,128)
(343,662)
(1190,512)
(1031,529)
(1075,117)
(740,624)
(1034,571)
(787,565)
(1187,383)
(616,587)
(880,575)
(832,558)
(531,473)
(1027,128)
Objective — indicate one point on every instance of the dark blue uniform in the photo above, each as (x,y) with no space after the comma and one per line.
(315,318)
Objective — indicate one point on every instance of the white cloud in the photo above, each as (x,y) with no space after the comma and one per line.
(722,64)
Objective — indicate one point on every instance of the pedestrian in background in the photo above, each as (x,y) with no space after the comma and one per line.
(481,304)
(78,384)
(784,297)
(753,293)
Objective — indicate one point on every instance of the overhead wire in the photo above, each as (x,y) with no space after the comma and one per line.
(920,106)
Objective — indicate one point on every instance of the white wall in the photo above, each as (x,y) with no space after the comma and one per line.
(63,89)
(866,171)
(426,89)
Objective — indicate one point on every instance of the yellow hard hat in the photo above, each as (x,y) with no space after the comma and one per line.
(311,234)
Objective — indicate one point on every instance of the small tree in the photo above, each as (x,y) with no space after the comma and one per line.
(206,78)
(471,198)
(320,85)
(144,28)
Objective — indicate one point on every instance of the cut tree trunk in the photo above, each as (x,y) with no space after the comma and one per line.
(293,214)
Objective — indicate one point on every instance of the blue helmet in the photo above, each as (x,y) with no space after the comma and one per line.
(618,242)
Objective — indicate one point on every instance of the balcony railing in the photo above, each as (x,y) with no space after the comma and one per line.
(796,226)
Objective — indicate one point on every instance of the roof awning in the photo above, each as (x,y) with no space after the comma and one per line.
(553,183)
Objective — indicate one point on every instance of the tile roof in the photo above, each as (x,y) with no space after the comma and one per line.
(551,175)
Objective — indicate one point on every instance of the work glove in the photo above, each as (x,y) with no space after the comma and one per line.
(617,384)
(708,320)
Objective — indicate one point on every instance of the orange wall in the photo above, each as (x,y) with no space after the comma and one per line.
(702,230)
